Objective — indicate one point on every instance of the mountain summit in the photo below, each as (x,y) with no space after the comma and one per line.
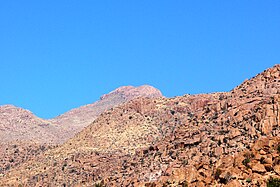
(131,92)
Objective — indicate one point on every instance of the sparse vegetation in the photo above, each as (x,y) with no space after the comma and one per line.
(262,160)
(246,161)
(172,112)
(99,184)
(226,178)
(218,173)
(219,142)
(249,180)
(183,184)
(63,166)
(273,182)
(185,162)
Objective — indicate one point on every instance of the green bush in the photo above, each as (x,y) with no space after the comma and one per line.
(99,185)
(248,180)
(246,161)
(218,173)
(262,161)
(273,182)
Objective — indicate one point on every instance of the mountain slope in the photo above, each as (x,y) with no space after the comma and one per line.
(76,119)
(222,139)
(19,124)
(25,136)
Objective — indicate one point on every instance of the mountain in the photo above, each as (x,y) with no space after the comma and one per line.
(218,139)
(76,119)
(17,124)
(25,136)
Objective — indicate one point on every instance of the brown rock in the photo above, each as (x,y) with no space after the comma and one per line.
(259,168)
(233,183)
(234,133)
(268,160)
(277,169)
(218,151)
(262,152)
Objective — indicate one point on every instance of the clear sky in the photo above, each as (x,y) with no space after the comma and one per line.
(59,54)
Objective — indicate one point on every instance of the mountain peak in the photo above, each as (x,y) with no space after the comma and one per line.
(130,92)
(20,124)
(13,110)
(9,106)
(266,83)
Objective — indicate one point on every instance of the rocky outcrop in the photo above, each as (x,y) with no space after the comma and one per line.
(253,167)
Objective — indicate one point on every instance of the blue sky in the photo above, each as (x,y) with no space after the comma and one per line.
(57,55)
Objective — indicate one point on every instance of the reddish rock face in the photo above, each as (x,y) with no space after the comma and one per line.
(219,139)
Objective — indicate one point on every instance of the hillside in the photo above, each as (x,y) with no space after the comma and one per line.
(20,124)
(24,135)
(219,139)
(76,119)
(17,124)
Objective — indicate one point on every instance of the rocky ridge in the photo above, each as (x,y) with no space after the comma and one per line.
(219,139)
